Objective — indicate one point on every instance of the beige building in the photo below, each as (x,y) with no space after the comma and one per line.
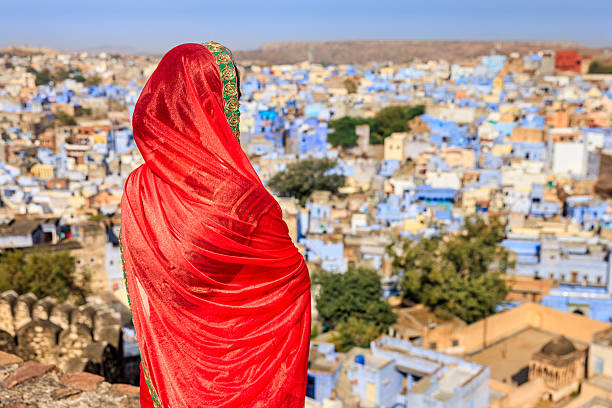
(90,255)
(456,157)
(600,354)
(560,365)
(43,171)
(396,146)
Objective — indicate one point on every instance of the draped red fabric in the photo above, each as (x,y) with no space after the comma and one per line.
(220,296)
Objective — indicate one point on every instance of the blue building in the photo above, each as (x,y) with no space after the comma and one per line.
(323,371)
(581,270)
(396,374)
(593,302)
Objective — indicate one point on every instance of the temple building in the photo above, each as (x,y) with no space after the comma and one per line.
(561,365)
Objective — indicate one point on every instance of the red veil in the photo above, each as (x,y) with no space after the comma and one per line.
(220,296)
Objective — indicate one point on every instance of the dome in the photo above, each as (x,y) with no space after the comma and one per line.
(559,346)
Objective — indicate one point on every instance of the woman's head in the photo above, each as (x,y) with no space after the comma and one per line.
(188,113)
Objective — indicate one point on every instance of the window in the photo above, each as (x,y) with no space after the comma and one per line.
(574,276)
(598,365)
(310,387)
(433,346)
(455,342)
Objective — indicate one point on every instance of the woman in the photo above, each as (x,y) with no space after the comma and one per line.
(220,296)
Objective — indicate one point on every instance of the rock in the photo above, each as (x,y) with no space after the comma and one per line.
(20,405)
(6,359)
(28,371)
(124,389)
(65,392)
(82,381)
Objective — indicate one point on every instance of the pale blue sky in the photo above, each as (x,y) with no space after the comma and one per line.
(157,25)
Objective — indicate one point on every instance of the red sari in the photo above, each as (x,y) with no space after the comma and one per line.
(220,296)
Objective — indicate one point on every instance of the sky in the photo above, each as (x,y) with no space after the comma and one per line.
(154,26)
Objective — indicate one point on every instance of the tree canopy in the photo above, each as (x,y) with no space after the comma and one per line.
(64,118)
(344,130)
(43,273)
(393,119)
(303,177)
(597,67)
(352,303)
(92,81)
(457,274)
(45,76)
(386,121)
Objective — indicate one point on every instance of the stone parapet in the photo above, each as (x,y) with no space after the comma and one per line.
(73,338)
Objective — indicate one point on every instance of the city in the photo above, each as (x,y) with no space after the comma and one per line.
(455,217)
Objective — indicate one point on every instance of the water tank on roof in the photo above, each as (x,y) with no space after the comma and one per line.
(360,359)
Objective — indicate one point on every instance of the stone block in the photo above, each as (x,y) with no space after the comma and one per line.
(6,359)
(82,381)
(23,310)
(124,389)
(42,308)
(28,371)
(7,342)
(62,314)
(37,341)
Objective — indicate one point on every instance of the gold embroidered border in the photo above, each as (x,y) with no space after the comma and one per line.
(227,70)
(154,396)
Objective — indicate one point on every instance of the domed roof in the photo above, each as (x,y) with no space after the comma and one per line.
(558,346)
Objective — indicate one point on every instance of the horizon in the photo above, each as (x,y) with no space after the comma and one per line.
(154,27)
(127,51)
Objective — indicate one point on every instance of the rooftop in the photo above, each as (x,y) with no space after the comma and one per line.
(603,338)
(509,357)
(602,382)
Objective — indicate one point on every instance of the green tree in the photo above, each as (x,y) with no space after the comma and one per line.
(92,81)
(61,74)
(80,111)
(350,85)
(96,218)
(64,118)
(352,302)
(354,332)
(344,130)
(43,273)
(597,67)
(386,121)
(43,77)
(314,331)
(455,275)
(303,177)
(393,119)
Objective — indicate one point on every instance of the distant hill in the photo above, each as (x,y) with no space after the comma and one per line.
(344,52)
(26,51)
(358,52)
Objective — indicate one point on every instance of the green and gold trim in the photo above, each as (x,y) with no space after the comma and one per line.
(227,70)
(154,396)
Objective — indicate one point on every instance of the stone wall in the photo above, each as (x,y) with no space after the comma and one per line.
(479,335)
(74,338)
(32,384)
